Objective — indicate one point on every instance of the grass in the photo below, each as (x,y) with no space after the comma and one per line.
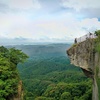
(97,49)
(74,45)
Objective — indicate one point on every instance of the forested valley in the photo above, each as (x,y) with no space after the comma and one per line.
(48,74)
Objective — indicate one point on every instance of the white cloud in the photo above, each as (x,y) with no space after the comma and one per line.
(63,26)
(66,28)
(12,22)
(22,4)
(81,4)
(90,24)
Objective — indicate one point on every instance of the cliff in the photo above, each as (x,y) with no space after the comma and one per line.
(19,95)
(84,55)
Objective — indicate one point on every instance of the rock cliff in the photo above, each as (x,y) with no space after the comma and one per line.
(19,95)
(83,55)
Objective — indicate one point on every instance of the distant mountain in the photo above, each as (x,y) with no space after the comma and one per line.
(44,49)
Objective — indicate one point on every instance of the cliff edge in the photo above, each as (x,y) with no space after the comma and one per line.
(84,55)
(19,95)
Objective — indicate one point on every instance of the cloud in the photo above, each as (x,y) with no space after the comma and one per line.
(64,28)
(90,24)
(85,8)
(19,5)
(81,4)
(56,21)
(91,12)
(3,7)
(50,5)
(10,22)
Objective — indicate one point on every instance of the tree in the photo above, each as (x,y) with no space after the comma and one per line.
(66,96)
(17,56)
(97,32)
(9,58)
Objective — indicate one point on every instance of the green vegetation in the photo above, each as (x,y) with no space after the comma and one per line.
(98,79)
(9,78)
(98,82)
(97,49)
(97,33)
(48,75)
(97,41)
(74,45)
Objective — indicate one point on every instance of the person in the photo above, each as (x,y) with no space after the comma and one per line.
(90,35)
(75,40)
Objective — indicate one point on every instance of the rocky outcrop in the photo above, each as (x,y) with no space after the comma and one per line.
(19,95)
(84,56)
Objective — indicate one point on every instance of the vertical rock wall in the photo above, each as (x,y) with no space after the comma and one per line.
(19,95)
(83,55)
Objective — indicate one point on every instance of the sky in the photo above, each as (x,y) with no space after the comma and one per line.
(32,21)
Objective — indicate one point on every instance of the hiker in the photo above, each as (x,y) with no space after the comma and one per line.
(75,40)
(90,35)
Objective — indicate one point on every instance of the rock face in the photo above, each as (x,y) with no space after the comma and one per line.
(83,55)
(19,95)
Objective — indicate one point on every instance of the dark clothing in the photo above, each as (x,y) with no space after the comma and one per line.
(75,40)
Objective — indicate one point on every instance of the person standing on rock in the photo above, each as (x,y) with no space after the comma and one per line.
(75,40)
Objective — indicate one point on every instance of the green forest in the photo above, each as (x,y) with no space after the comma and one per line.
(48,74)
(9,77)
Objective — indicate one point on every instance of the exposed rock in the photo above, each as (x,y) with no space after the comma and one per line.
(83,55)
(19,95)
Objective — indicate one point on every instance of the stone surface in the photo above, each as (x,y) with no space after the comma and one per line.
(19,95)
(83,55)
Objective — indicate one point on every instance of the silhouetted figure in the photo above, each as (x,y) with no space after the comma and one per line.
(75,40)
(90,35)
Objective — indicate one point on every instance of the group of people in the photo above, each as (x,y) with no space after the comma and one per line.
(90,35)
